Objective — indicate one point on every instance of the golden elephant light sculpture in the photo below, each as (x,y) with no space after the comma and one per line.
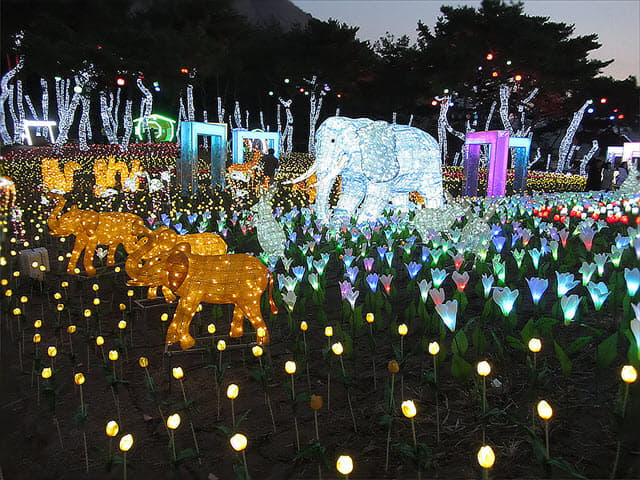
(55,180)
(92,229)
(162,241)
(237,279)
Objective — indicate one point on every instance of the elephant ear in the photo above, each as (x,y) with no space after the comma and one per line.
(379,159)
(178,265)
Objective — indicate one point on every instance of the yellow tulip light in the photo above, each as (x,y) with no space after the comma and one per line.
(344,465)
(304,326)
(629,374)
(144,362)
(87,312)
(409,408)
(483,368)
(290,367)
(36,338)
(178,373)
(112,428)
(78,378)
(393,367)
(232,391)
(122,324)
(37,324)
(545,412)
(434,348)
(328,331)
(95,287)
(71,329)
(126,442)
(164,317)
(46,372)
(238,442)
(122,307)
(535,345)
(113,355)
(173,421)
(211,328)
(99,340)
(96,301)
(17,311)
(370,317)
(486,457)
(221,345)
(52,351)
(257,351)
(403,329)
(337,348)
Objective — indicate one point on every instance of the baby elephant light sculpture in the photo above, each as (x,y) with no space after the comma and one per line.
(92,229)
(161,242)
(237,279)
(378,163)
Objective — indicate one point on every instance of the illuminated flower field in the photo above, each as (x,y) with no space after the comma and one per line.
(496,343)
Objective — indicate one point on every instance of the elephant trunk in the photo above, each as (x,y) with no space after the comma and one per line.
(134,266)
(54,219)
(301,178)
(323,189)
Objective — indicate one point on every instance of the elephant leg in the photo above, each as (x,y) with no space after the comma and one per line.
(89,252)
(255,317)
(237,324)
(178,330)
(111,256)
(400,201)
(432,191)
(351,196)
(374,203)
(78,247)
(169,297)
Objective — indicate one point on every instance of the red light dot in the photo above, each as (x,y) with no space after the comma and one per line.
(620,117)
(339,95)
(434,102)
(517,78)
(494,74)
(615,110)
(489,56)
(603,100)
(120,82)
(184,70)
(99,47)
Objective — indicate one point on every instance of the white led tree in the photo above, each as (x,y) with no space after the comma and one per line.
(565,144)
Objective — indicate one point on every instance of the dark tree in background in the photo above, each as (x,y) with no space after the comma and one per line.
(224,55)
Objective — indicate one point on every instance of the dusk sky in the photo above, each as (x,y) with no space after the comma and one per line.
(615,21)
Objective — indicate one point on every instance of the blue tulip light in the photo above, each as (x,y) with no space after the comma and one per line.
(438,276)
(372,281)
(348,260)
(425,254)
(601,260)
(448,311)
(534,253)
(389,257)
(352,274)
(566,282)
(622,242)
(289,283)
(553,246)
(487,283)
(381,252)
(569,306)
(518,255)
(351,298)
(599,293)
(313,281)
(632,277)
(505,298)
(537,286)
(587,270)
(635,330)
(298,272)
(289,299)
(498,243)
(424,287)
(413,268)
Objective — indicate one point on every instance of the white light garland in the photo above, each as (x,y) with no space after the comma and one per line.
(105,114)
(205,119)
(565,145)
(594,148)
(262,121)
(45,102)
(4,96)
(314,113)
(444,126)
(221,111)
(490,116)
(237,115)
(146,108)
(191,111)
(505,93)
(84,128)
(287,134)
(128,125)
(12,111)
(246,119)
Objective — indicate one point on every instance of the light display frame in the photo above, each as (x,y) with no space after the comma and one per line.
(498,140)
(522,146)
(187,165)
(613,152)
(268,139)
(165,126)
(27,124)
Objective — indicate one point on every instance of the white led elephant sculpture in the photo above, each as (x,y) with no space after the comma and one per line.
(378,163)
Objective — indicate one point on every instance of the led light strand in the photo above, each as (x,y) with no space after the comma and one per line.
(237,115)
(568,138)
(148,107)
(535,158)
(491,110)
(114,109)
(394,118)
(45,103)
(191,111)
(246,119)
(12,111)
(182,117)
(505,93)
(84,128)
(287,134)
(410,120)
(205,119)
(592,151)
(67,119)
(279,129)
(314,113)
(4,96)
(128,125)
(106,120)
(221,111)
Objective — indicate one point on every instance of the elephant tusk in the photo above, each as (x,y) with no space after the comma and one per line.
(304,176)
